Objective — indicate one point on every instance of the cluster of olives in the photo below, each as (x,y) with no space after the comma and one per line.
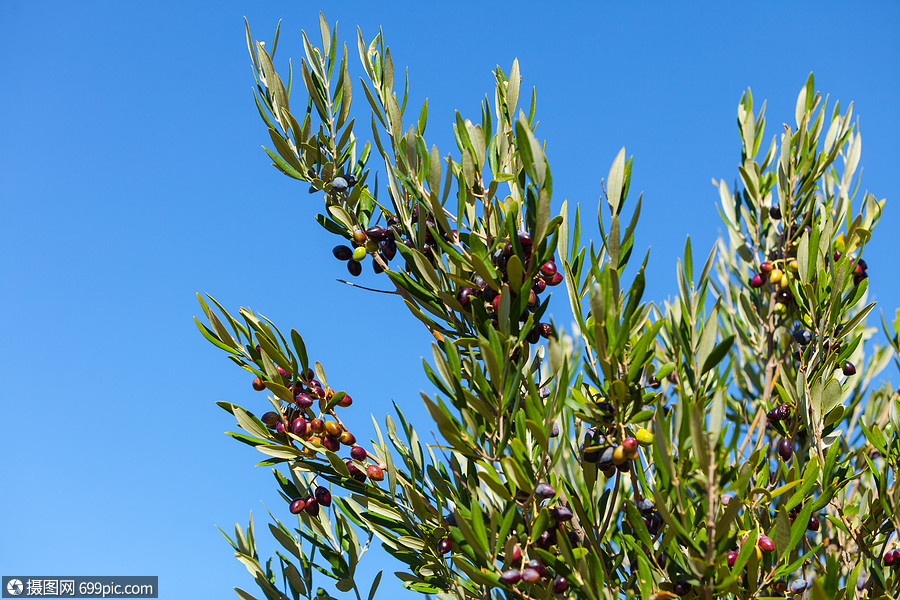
(382,241)
(609,455)
(518,568)
(311,504)
(777,274)
(317,429)
(548,275)
(891,558)
(374,240)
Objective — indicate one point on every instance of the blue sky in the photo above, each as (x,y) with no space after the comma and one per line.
(131,177)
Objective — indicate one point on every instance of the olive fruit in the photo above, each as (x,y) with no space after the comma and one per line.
(342,252)
(359,253)
(354,267)
(358,453)
(561,513)
(339,184)
(510,576)
(298,426)
(813,524)
(544,490)
(377,233)
(375,473)
(765,543)
(258,384)
(444,545)
(538,565)
(530,575)
(297,505)
(786,449)
(323,496)
(312,507)
(848,368)
(681,588)
(802,337)
(731,557)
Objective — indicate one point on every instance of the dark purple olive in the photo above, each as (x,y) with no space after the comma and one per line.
(786,449)
(464,295)
(297,505)
(533,336)
(775,212)
(731,557)
(354,268)
(784,297)
(561,513)
(848,369)
(358,453)
(530,575)
(342,252)
(681,588)
(511,576)
(555,280)
(298,426)
(560,585)
(757,280)
(544,490)
(444,545)
(537,565)
(654,522)
(389,248)
(797,586)
(339,184)
(312,506)
(377,233)
(802,337)
(813,524)
(303,401)
(271,419)
(548,269)
(545,330)
(332,443)
(323,496)
(539,285)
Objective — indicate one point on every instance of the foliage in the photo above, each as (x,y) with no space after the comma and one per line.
(730,443)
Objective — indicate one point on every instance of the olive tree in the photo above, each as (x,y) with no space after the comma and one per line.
(733,442)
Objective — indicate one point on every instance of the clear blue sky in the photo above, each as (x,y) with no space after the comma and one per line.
(131,177)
